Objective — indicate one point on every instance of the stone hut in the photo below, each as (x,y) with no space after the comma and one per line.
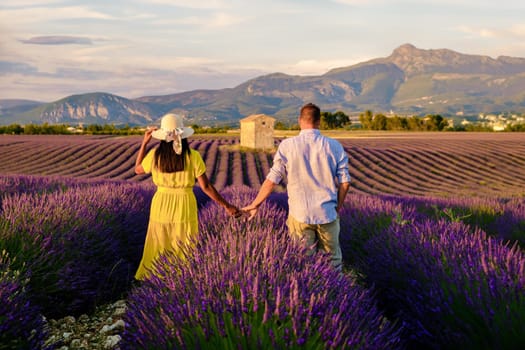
(257,131)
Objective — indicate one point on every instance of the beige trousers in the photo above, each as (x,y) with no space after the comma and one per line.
(324,237)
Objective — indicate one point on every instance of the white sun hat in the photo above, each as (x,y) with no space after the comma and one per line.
(172,129)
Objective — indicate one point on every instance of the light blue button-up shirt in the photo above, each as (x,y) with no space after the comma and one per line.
(311,162)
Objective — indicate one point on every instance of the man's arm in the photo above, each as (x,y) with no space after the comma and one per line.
(265,190)
(341,195)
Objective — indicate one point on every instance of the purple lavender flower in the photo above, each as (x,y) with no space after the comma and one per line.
(450,284)
(81,241)
(21,323)
(246,283)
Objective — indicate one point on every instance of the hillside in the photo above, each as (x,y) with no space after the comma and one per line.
(410,81)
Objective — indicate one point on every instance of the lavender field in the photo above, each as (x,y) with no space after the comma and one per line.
(415,164)
(433,237)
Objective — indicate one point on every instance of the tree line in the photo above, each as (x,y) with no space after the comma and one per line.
(329,121)
(370,121)
(379,121)
(92,129)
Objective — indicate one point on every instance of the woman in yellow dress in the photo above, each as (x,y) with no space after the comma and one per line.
(174,166)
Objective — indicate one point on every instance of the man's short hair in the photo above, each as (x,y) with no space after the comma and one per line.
(310,113)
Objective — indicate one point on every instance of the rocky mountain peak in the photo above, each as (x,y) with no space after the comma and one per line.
(419,61)
(406,50)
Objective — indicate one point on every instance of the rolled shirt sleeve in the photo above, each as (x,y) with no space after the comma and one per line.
(343,174)
(278,169)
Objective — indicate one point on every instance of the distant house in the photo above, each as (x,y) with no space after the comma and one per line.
(257,131)
(498,126)
(74,130)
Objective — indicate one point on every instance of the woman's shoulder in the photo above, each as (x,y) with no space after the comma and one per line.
(194,152)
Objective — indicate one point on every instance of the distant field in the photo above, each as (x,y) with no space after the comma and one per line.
(399,163)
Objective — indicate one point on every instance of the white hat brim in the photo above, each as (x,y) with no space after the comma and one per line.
(161,134)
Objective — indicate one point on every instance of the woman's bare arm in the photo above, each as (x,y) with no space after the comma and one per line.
(211,192)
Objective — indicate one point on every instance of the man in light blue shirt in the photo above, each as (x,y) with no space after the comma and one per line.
(316,170)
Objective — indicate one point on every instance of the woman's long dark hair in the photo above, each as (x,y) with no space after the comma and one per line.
(167,161)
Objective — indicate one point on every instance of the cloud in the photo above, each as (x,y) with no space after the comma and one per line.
(27,82)
(27,3)
(478,32)
(202,4)
(217,20)
(39,15)
(58,40)
(319,67)
(360,2)
(518,30)
(7,67)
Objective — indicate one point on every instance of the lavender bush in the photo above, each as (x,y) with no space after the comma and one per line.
(245,285)
(498,217)
(386,240)
(32,184)
(452,286)
(363,217)
(21,323)
(510,225)
(81,243)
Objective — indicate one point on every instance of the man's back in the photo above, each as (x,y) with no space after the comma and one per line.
(311,162)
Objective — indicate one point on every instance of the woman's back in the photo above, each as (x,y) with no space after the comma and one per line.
(194,167)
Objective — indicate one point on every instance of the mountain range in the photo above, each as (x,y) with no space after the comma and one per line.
(411,81)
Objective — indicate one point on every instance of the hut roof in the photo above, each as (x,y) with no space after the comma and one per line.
(256,116)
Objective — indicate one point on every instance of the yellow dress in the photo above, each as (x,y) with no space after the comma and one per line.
(173,220)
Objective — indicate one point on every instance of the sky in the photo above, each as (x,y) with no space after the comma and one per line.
(56,48)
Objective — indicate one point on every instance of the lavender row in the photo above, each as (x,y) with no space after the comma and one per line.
(503,219)
(244,285)
(399,164)
(427,171)
(447,282)
(469,163)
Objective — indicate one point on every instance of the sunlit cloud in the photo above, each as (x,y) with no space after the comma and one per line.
(214,21)
(474,3)
(29,3)
(478,32)
(319,67)
(487,33)
(49,14)
(518,30)
(356,2)
(202,4)
(513,31)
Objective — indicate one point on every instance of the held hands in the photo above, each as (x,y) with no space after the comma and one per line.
(250,210)
(234,211)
